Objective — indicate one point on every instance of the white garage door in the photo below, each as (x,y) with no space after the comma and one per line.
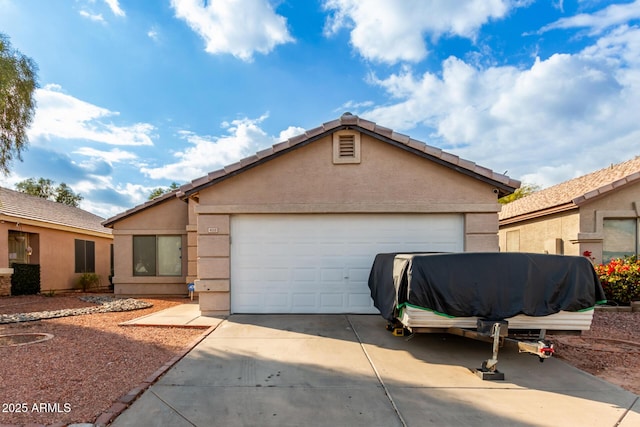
(320,263)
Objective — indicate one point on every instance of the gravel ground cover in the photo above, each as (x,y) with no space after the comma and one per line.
(92,361)
(610,350)
(88,364)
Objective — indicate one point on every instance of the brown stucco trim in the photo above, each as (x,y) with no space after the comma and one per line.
(537,214)
(349,208)
(606,189)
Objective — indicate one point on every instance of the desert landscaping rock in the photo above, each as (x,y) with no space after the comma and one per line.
(106,304)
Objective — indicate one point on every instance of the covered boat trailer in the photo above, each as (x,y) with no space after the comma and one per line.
(436,293)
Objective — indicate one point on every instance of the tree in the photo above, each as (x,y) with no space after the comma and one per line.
(162,190)
(45,188)
(18,82)
(524,190)
(64,194)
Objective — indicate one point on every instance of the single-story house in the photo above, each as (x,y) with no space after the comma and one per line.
(595,215)
(295,228)
(65,241)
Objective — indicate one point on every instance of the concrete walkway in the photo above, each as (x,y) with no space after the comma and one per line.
(334,370)
(184,315)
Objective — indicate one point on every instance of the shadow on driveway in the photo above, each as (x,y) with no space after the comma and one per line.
(334,370)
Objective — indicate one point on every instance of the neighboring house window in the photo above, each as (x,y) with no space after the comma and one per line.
(513,241)
(157,255)
(620,238)
(85,256)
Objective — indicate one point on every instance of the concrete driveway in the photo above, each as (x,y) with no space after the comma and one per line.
(347,370)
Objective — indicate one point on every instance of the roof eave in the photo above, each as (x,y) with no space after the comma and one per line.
(538,214)
(109,222)
(409,145)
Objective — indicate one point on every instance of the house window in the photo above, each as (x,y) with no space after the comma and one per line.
(346,147)
(620,238)
(157,255)
(85,251)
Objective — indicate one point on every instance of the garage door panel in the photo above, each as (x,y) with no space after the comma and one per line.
(320,263)
(304,275)
(305,302)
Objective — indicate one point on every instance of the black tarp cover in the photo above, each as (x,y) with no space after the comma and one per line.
(493,286)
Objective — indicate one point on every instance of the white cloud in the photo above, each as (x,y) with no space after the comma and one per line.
(240,28)
(61,115)
(395,30)
(112,156)
(153,33)
(115,7)
(580,106)
(97,17)
(121,197)
(612,15)
(207,153)
(290,132)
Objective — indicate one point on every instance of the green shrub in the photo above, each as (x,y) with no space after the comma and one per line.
(88,281)
(25,279)
(620,279)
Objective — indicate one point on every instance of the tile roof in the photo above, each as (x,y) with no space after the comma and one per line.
(570,194)
(503,183)
(26,207)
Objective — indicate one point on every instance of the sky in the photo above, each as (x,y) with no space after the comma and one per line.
(135,95)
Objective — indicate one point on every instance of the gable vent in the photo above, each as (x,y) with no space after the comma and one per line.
(346,147)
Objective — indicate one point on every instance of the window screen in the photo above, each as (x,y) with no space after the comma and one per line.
(85,255)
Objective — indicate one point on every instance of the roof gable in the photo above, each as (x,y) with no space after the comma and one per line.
(570,194)
(347,121)
(503,183)
(26,207)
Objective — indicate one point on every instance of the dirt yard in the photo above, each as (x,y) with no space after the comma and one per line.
(610,350)
(91,361)
(88,364)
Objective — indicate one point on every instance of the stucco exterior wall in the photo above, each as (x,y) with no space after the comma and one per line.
(619,204)
(580,229)
(167,218)
(387,180)
(54,250)
(553,234)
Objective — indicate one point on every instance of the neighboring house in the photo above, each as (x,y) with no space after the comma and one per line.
(295,228)
(596,213)
(65,241)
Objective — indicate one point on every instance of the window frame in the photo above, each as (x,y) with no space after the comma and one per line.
(84,256)
(636,243)
(152,263)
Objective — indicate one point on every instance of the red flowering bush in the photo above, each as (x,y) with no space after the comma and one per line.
(620,279)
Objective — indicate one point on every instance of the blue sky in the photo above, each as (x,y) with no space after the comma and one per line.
(136,94)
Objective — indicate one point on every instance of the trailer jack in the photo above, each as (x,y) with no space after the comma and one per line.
(499,330)
(489,370)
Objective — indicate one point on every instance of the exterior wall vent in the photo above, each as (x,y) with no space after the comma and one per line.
(346,147)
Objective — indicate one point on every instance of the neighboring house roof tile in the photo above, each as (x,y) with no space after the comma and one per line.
(505,184)
(26,207)
(570,194)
